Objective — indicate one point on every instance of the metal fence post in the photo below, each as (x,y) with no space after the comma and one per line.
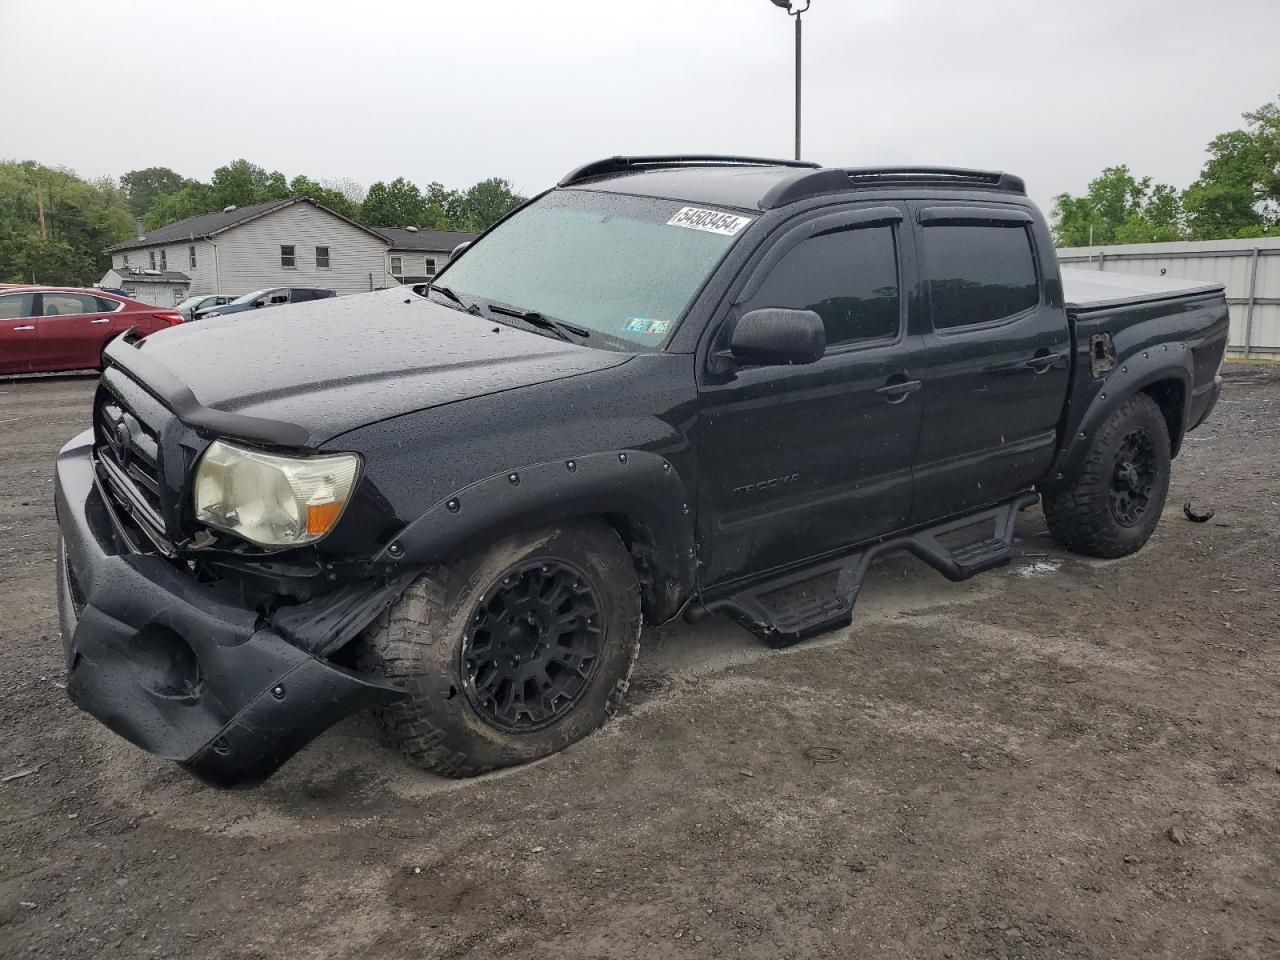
(1248,314)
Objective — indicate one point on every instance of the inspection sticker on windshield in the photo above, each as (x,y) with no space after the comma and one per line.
(646,327)
(712,221)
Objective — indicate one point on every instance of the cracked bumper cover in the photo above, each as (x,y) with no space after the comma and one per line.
(172,667)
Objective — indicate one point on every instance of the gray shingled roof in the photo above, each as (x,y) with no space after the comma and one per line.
(205,225)
(431,240)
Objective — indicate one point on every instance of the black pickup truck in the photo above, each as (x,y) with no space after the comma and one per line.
(670,386)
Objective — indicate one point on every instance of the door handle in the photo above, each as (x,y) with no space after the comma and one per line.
(24,328)
(1044,362)
(895,391)
(101,320)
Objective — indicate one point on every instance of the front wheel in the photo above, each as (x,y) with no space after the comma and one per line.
(1112,506)
(511,654)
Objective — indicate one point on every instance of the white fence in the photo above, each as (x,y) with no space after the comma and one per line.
(1249,268)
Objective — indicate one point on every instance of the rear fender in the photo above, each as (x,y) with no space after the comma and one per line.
(641,487)
(1131,376)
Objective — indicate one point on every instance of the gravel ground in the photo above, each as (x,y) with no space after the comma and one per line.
(1063,758)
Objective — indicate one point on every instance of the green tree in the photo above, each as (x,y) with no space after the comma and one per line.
(486,203)
(1238,191)
(336,201)
(1118,208)
(395,204)
(81,219)
(143,187)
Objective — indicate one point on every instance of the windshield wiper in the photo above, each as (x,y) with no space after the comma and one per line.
(470,308)
(561,328)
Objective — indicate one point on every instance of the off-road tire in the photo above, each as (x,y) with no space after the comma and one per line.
(1081,516)
(418,643)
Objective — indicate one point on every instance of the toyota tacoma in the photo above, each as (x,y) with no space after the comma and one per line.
(669,386)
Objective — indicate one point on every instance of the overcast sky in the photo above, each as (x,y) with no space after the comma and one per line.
(462,90)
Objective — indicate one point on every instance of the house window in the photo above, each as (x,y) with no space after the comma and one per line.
(164,260)
(191,256)
(153,258)
(397,267)
(126,259)
(287,258)
(431,266)
(322,257)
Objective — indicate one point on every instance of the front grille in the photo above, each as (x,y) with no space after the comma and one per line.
(129,467)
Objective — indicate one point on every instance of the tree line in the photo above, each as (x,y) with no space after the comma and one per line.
(55,226)
(1237,195)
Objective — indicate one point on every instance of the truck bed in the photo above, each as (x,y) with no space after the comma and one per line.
(1086,290)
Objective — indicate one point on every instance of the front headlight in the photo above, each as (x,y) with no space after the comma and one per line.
(271,500)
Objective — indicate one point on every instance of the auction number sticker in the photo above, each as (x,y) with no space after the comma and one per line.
(712,221)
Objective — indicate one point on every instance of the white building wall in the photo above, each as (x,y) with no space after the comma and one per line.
(178,258)
(1249,268)
(414,264)
(248,256)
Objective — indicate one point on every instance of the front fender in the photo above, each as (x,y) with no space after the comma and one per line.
(1163,362)
(641,488)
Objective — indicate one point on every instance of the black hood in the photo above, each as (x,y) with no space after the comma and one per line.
(330,366)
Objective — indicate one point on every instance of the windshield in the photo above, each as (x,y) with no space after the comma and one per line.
(250,297)
(190,302)
(623,268)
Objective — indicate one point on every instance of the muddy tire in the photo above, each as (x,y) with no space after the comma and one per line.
(1113,505)
(511,654)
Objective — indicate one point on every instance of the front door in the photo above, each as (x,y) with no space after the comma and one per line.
(19,344)
(797,461)
(998,356)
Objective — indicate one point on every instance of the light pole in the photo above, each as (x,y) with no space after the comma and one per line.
(794,8)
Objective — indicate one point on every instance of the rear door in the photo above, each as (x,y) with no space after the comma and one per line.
(73,329)
(998,348)
(19,343)
(797,461)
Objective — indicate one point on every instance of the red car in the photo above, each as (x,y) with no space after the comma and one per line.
(46,329)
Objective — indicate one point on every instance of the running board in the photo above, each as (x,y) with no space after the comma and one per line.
(799,604)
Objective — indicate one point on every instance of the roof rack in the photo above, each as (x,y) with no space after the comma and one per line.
(615,165)
(814,183)
(936,176)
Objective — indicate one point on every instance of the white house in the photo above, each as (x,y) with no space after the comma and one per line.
(283,243)
(415,256)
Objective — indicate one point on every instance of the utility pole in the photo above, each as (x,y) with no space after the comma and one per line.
(44,234)
(794,9)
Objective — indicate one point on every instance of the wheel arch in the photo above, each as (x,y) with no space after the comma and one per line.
(1172,397)
(639,494)
(1162,373)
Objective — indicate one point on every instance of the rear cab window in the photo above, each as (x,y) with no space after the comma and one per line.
(979,273)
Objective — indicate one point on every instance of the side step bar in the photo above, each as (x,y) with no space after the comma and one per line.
(798,604)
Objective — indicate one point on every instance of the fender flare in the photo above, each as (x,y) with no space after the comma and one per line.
(1130,377)
(642,486)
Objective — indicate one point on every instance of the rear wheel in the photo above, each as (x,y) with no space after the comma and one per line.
(512,654)
(1113,505)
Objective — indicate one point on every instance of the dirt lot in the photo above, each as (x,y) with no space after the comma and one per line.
(1065,758)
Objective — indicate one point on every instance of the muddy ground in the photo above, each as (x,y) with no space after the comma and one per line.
(1064,758)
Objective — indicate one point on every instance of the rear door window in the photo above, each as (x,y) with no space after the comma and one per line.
(847,277)
(69,304)
(979,273)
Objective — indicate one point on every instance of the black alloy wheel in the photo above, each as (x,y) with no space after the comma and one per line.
(532,645)
(1133,479)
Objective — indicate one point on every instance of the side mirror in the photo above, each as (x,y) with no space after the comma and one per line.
(777,337)
(259,303)
(458,250)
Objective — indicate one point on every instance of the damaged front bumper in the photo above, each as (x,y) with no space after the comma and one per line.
(171,666)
